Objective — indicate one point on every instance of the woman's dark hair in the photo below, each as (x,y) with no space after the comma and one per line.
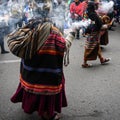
(91,7)
(96,26)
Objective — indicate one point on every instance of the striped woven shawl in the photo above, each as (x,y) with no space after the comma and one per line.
(43,73)
(26,41)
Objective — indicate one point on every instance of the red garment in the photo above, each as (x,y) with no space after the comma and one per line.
(43,66)
(33,102)
(76,9)
(84,6)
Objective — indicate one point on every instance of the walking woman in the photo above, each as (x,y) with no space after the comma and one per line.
(92,44)
(42,82)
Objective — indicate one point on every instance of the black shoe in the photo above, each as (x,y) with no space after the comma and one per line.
(4,52)
(43,118)
(113,25)
(101,47)
(111,29)
(77,37)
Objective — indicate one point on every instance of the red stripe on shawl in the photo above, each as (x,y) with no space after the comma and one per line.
(40,88)
(52,52)
(54,45)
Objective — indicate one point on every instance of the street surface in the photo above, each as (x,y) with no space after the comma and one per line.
(92,93)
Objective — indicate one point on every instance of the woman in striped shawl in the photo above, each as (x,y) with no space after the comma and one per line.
(92,44)
(42,82)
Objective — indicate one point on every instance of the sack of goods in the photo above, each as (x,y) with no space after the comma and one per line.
(20,42)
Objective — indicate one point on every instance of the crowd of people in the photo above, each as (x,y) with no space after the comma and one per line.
(78,11)
(102,20)
(42,82)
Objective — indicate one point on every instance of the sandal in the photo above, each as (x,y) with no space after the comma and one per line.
(86,65)
(105,60)
(56,116)
(43,118)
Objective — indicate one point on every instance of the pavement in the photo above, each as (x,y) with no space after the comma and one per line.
(92,93)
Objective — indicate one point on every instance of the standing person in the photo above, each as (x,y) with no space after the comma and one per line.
(104,38)
(76,11)
(84,4)
(92,45)
(117,11)
(15,10)
(42,82)
(3,51)
(28,12)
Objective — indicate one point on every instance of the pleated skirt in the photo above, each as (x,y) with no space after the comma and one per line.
(41,103)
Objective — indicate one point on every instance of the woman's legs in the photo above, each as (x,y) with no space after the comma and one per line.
(85,64)
(100,56)
(3,51)
(102,59)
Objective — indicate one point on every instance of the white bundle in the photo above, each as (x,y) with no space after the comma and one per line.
(106,7)
(80,24)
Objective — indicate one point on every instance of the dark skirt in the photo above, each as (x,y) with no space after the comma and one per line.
(41,103)
(104,40)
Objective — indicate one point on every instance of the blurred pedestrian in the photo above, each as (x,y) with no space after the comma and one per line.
(76,11)
(28,12)
(3,51)
(92,45)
